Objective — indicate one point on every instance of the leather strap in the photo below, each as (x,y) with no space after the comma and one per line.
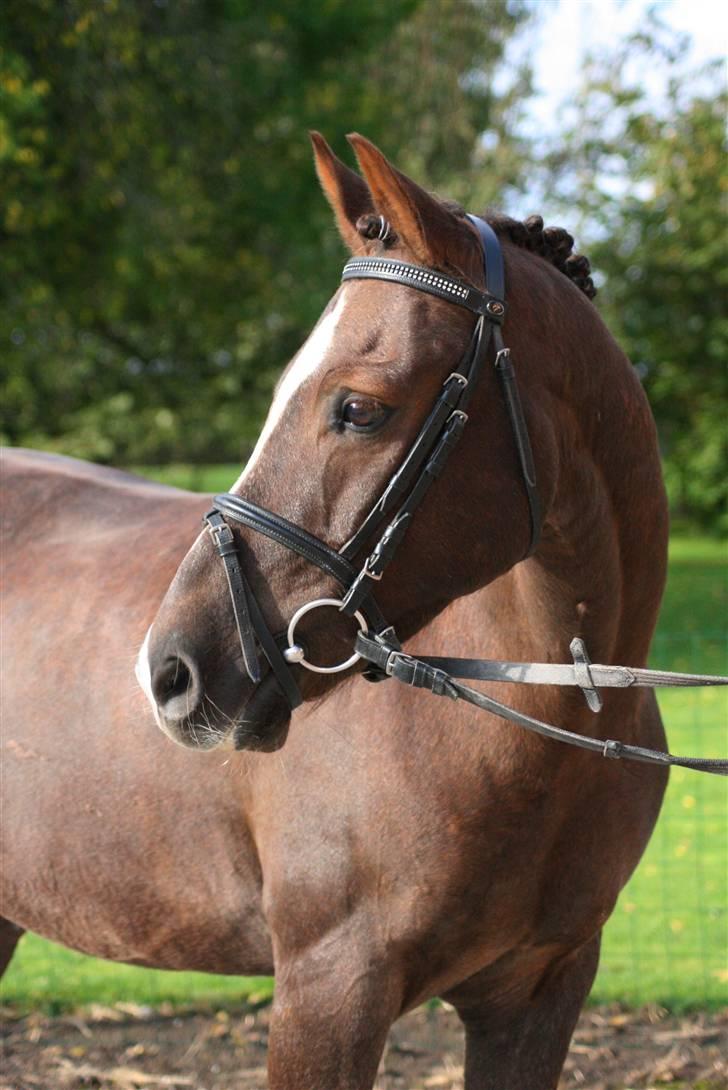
(494,276)
(543,673)
(430,281)
(286,533)
(495,280)
(434,675)
(273,653)
(439,453)
(401,480)
(222,537)
(509,386)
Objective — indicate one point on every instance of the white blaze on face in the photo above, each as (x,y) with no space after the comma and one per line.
(310,357)
(144,674)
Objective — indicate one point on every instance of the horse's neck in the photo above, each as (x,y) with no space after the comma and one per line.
(600,567)
(600,570)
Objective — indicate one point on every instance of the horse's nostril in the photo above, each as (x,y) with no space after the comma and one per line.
(176,688)
(173,680)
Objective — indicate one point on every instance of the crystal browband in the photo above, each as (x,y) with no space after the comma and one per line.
(435,283)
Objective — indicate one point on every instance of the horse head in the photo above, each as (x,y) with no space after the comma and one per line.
(345,415)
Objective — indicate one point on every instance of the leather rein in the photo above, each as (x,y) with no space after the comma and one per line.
(387,523)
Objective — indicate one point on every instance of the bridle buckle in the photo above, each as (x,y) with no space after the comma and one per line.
(394,658)
(221,534)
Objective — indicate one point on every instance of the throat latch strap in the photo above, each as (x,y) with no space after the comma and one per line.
(509,386)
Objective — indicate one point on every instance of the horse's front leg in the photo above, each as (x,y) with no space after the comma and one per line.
(332,1011)
(10,935)
(524,1047)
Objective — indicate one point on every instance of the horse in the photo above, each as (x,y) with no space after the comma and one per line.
(375,848)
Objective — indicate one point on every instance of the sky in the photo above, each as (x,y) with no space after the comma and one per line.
(568,29)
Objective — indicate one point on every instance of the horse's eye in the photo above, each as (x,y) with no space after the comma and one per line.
(361,413)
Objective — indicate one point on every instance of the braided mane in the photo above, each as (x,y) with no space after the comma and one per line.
(555,244)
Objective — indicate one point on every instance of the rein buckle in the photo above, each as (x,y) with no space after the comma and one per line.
(393,658)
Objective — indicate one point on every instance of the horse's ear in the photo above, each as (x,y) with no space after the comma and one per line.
(423,224)
(344,189)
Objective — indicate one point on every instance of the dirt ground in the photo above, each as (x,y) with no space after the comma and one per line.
(135,1048)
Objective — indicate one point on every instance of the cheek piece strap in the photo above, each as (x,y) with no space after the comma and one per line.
(386,525)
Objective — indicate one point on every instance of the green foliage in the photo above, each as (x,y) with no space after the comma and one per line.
(165,247)
(649,181)
(192,477)
(53,978)
(696,599)
(165,244)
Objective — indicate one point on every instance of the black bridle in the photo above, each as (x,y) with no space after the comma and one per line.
(424,462)
(408,486)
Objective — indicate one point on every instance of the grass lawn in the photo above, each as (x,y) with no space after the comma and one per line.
(668,938)
(667,941)
(203,478)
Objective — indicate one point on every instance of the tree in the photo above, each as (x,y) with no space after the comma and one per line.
(649,180)
(164,243)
